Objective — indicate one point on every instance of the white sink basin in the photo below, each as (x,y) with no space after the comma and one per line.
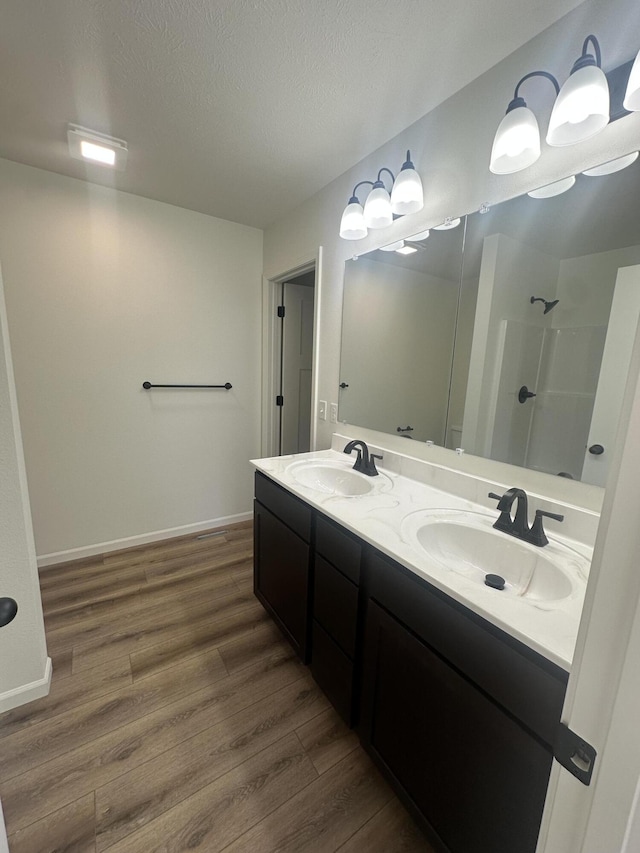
(466,543)
(333,477)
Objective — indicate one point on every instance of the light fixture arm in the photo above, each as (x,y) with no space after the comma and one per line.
(354,197)
(516,96)
(596,49)
(379,180)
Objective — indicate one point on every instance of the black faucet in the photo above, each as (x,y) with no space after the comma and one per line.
(365,463)
(519,525)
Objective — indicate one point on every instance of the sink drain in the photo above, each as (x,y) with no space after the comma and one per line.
(494,581)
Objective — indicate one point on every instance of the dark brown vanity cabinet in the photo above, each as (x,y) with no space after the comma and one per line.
(336,596)
(282,560)
(458,715)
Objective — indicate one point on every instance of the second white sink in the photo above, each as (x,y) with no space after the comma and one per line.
(466,543)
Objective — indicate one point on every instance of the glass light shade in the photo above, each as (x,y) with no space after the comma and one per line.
(581,109)
(407,195)
(517,142)
(377,209)
(421,235)
(632,96)
(612,166)
(392,247)
(352,225)
(556,188)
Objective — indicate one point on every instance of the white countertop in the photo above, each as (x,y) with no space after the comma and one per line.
(548,627)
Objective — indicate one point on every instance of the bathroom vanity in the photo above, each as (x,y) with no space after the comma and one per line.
(454,689)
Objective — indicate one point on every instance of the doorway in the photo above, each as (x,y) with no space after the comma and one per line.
(290,319)
(296,313)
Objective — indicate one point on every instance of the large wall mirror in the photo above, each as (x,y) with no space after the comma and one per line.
(509,335)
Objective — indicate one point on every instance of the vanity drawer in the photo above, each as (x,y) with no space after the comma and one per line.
(293,512)
(339,548)
(335,605)
(521,681)
(333,671)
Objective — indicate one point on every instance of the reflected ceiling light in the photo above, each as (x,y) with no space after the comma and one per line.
(582,108)
(406,196)
(556,188)
(612,166)
(392,247)
(421,235)
(90,145)
(516,144)
(448,224)
(407,250)
(631,100)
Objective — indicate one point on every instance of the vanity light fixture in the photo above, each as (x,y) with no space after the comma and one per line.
(380,206)
(392,247)
(632,96)
(556,188)
(582,107)
(612,166)
(587,101)
(90,145)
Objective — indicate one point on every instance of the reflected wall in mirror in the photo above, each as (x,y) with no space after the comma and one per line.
(578,256)
(398,333)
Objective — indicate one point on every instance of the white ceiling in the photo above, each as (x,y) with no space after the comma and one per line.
(240,108)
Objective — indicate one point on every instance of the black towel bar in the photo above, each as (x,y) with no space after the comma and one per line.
(147,385)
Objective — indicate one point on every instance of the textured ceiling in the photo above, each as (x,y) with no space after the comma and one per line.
(240,108)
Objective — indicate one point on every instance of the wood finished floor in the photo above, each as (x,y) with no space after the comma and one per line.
(180,720)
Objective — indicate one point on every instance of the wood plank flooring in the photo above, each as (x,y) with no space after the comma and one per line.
(180,720)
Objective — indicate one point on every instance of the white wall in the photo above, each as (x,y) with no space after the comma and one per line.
(505,353)
(450,147)
(25,671)
(397,379)
(105,290)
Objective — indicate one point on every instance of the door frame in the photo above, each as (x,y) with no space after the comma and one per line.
(271,341)
(603,696)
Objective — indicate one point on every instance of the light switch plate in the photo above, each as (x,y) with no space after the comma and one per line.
(322,410)
(333,413)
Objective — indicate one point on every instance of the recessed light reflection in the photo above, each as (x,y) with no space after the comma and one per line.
(448,224)
(406,250)
(612,166)
(556,188)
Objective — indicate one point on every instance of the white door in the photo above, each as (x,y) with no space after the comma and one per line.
(623,322)
(603,696)
(25,669)
(4,844)
(297,359)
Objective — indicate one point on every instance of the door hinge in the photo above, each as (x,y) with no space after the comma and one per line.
(281,311)
(279,400)
(576,755)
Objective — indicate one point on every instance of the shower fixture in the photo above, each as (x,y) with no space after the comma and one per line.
(547,305)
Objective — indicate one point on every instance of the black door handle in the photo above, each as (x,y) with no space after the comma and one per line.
(596,450)
(8,610)
(524,394)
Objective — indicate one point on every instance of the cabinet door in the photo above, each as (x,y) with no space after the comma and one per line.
(476,777)
(281,576)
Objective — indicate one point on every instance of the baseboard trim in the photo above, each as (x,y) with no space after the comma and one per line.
(143,539)
(27,692)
